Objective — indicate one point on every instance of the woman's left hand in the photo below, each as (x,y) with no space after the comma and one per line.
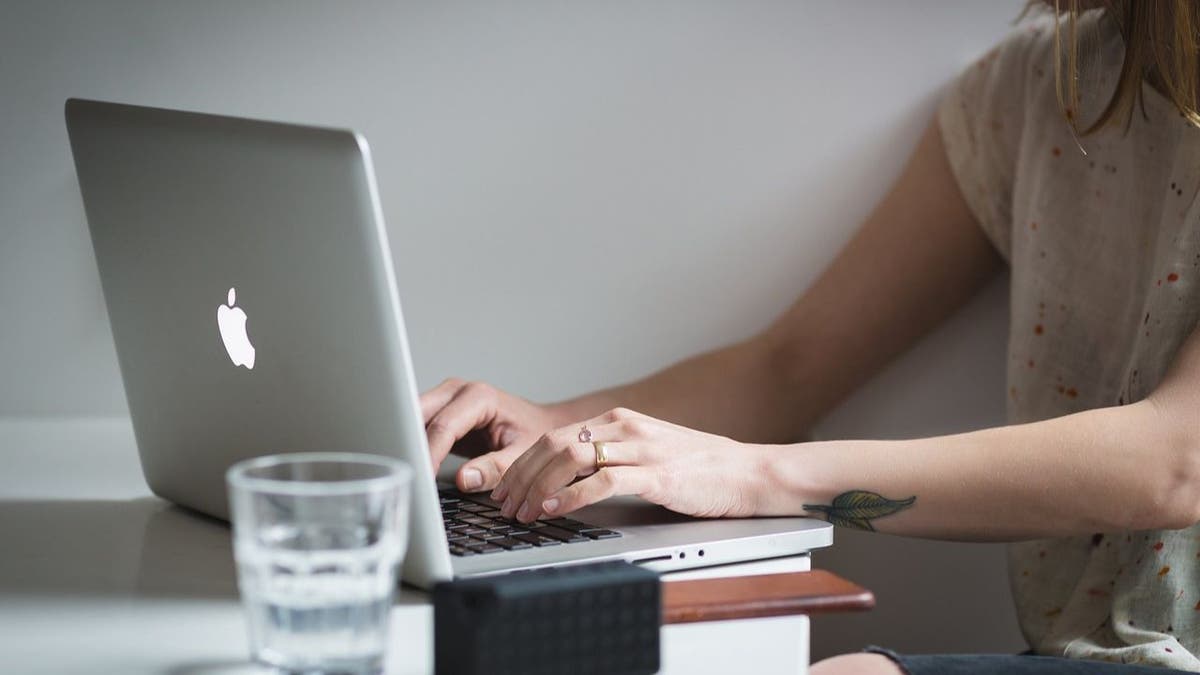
(688,471)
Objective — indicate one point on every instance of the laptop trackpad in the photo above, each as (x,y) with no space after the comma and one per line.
(618,512)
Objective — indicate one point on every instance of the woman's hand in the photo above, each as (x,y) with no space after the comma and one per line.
(507,425)
(688,471)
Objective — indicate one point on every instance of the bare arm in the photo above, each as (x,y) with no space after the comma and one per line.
(917,258)
(1130,467)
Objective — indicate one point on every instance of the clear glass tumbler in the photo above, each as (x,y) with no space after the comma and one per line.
(318,539)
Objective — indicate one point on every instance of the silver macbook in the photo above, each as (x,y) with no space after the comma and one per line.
(249,283)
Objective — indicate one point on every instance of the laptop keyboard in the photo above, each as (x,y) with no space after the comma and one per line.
(475,528)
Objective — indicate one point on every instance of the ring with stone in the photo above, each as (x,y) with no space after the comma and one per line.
(585,434)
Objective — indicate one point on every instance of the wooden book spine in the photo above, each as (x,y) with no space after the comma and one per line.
(721,599)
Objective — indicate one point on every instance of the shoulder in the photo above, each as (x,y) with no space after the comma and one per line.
(1025,59)
(1026,52)
(1014,84)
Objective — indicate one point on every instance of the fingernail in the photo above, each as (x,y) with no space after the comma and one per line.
(550,505)
(472,479)
(499,493)
(507,509)
(523,513)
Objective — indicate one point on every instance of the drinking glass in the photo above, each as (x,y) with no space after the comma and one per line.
(318,538)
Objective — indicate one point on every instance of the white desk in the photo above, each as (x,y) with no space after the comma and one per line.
(98,576)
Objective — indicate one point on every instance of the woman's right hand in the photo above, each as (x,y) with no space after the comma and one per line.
(506,426)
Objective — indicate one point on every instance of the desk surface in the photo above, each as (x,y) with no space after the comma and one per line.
(98,576)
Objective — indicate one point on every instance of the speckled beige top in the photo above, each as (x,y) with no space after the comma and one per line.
(1105,257)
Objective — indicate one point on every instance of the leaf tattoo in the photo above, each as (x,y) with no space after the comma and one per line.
(857,508)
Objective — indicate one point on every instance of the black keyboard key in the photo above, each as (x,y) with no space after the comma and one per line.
(501,522)
(536,539)
(511,544)
(599,533)
(472,507)
(569,524)
(474,520)
(455,526)
(561,534)
(461,551)
(484,548)
(473,531)
(501,528)
(444,500)
(491,534)
(454,537)
(493,513)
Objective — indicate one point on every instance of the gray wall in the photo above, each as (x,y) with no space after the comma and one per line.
(578,193)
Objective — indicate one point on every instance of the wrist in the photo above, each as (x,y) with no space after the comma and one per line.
(766,488)
(760,488)
(790,476)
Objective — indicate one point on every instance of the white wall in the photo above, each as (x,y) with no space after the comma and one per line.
(578,193)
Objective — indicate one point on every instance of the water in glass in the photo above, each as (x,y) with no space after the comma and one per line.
(317,572)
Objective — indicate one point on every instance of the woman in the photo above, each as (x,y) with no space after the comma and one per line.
(1084,181)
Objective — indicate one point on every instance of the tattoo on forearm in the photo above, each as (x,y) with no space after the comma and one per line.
(857,508)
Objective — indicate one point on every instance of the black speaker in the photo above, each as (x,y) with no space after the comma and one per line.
(576,619)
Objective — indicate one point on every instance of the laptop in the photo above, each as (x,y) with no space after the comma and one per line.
(249,284)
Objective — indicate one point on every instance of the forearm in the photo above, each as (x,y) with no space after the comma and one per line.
(881,293)
(1108,469)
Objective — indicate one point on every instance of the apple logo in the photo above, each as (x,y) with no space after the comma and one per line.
(232,323)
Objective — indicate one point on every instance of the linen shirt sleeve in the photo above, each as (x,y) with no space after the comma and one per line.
(981,117)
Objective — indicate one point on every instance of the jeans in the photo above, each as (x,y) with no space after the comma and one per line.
(1017,664)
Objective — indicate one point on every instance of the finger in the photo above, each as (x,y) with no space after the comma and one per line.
(435,399)
(469,409)
(526,467)
(529,461)
(578,460)
(607,482)
(614,425)
(608,432)
(618,424)
(489,468)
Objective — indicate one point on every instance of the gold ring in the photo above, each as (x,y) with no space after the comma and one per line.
(601,454)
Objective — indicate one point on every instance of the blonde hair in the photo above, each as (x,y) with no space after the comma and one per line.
(1162,48)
